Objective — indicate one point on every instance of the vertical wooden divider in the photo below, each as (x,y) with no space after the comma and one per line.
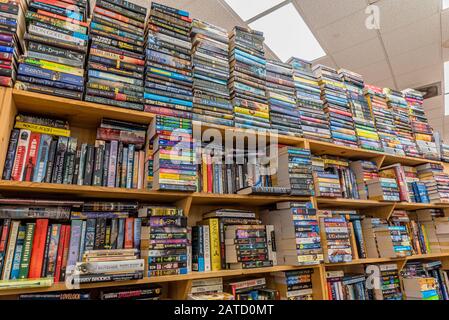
(180,289)
(379,160)
(7,117)
(384,212)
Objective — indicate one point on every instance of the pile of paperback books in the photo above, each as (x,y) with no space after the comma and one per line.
(168,67)
(211,101)
(248,76)
(11,31)
(116,59)
(56,45)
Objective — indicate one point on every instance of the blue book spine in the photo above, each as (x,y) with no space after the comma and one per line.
(18,253)
(170,74)
(121,233)
(130,167)
(250,57)
(89,240)
(151,96)
(27,70)
(42,158)
(83,238)
(6,49)
(75,239)
(137,231)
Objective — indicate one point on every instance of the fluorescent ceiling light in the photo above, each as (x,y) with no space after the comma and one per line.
(287,34)
(445,4)
(247,9)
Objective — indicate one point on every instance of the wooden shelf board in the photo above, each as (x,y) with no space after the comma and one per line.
(349,203)
(79,113)
(162,279)
(261,200)
(389,260)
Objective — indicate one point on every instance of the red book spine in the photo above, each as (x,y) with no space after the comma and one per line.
(62,239)
(20,157)
(56,16)
(4,238)
(129,233)
(210,188)
(65,253)
(31,159)
(37,253)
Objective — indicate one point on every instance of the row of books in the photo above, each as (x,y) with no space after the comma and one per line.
(121,53)
(42,150)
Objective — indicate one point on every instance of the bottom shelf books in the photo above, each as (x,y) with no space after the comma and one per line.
(208,289)
(253,289)
(341,286)
(294,285)
(420,289)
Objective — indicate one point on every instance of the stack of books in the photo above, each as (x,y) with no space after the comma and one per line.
(253,289)
(336,106)
(11,35)
(340,166)
(386,188)
(211,101)
(116,58)
(313,120)
(108,265)
(364,172)
(284,113)
(384,120)
(362,115)
(165,240)
(417,288)
(390,284)
(148,292)
(217,221)
(246,246)
(168,67)
(442,233)
(430,270)
(294,285)
(56,46)
(248,77)
(445,153)
(294,171)
(423,132)
(436,181)
(423,231)
(403,127)
(417,190)
(327,184)
(297,233)
(346,286)
(208,289)
(335,239)
(173,160)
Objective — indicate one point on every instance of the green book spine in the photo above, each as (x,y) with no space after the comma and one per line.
(26,254)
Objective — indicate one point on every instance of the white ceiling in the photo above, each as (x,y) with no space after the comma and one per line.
(405,52)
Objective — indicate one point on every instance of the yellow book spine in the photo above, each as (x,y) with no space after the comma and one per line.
(204,172)
(53,66)
(215,248)
(42,129)
(176,176)
(249,112)
(426,239)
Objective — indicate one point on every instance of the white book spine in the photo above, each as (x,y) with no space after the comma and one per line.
(10,251)
(110,266)
(206,241)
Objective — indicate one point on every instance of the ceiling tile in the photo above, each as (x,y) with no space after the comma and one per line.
(366,53)
(375,72)
(326,61)
(321,13)
(398,13)
(419,34)
(421,77)
(386,83)
(345,33)
(416,59)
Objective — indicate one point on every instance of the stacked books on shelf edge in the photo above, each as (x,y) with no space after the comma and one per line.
(247,83)
(294,285)
(284,113)
(336,106)
(168,66)
(55,50)
(363,118)
(208,289)
(313,120)
(211,101)
(115,66)
(12,25)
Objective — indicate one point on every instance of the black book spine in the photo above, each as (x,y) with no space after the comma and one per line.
(47,247)
(76,168)
(102,237)
(88,171)
(97,234)
(69,166)
(119,165)
(59,160)
(51,160)
(107,152)
(98,168)
(9,162)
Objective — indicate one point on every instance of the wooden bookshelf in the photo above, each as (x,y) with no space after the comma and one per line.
(84,118)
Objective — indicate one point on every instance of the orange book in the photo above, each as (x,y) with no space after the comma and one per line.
(60,252)
(129,233)
(37,253)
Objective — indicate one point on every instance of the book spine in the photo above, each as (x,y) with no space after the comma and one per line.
(99,162)
(129,236)
(215,250)
(130,166)
(75,235)
(112,166)
(82,238)
(27,248)
(9,257)
(118,170)
(18,253)
(82,164)
(61,151)
(124,168)
(89,165)
(60,253)
(121,234)
(89,242)
(51,161)
(31,158)
(37,253)
(10,156)
(137,232)
(21,153)
(53,249)
(206,248)
(42,158)
(46,255)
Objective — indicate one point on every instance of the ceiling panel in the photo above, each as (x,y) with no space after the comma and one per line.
(375,72)
(416,59)
(420,33)
(420,77)
(321,13)
(398,13)
(386,83)
(366,53)
(345,33)
(327,61)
